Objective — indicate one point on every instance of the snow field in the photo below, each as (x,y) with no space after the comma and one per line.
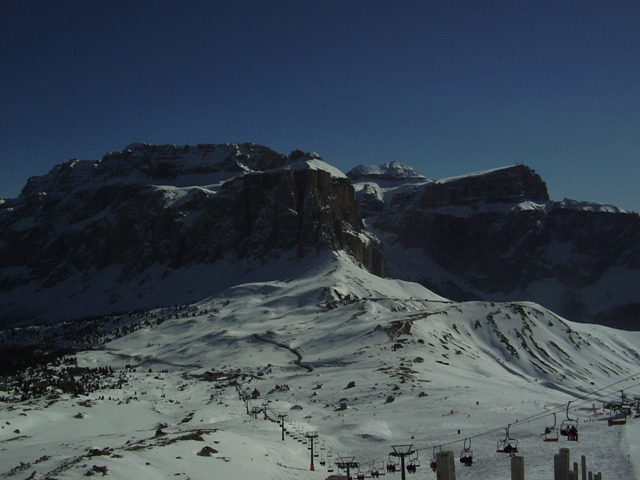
(366,363)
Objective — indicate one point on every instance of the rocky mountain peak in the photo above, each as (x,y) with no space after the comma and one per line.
(165,164)
(163,208)
(508,184)
(392,171)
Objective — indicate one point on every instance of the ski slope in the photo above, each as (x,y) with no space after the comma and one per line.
(365,362)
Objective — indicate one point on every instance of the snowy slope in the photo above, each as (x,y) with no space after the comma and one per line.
(365,362)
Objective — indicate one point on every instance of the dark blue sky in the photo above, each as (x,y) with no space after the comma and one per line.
(449,87)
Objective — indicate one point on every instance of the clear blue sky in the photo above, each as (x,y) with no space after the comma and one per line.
(447,86)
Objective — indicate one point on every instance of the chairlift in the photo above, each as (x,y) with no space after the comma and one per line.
(329,465)
(414,462)
(434,464)
(508,445)
(392,465)
(569,427)
(466,456)
(323,462)
(551,433)
(363,473)
(377,471)
(617,417)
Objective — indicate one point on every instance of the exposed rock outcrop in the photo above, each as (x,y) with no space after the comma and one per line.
(176,207)
(496,235)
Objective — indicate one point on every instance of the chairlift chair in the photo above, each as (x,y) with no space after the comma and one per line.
(377,471)
(569,426)
(507,445)
(466,456)
(617,417)
(434,464)
(414,462)
(364,472)
(392,465)
(551,433)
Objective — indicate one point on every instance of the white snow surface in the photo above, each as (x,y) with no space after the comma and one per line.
(426,372)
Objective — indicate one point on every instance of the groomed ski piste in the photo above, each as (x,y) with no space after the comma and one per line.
(365,363)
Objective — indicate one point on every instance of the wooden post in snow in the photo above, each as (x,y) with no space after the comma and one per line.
(517,468)
(563,464)
(583,461)
(573,474)
(446,466)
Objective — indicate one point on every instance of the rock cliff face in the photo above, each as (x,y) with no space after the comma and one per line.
(496,235)
(163,207)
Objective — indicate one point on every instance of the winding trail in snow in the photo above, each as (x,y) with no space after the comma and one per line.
(297,361)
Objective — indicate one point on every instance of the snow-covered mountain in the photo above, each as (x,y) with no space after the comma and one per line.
(496,235)
(93,237)
(108,234)
(185,289)
(365,363)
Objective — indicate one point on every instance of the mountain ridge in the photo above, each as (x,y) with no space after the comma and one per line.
(496,235)
(132,216)
(492,235)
